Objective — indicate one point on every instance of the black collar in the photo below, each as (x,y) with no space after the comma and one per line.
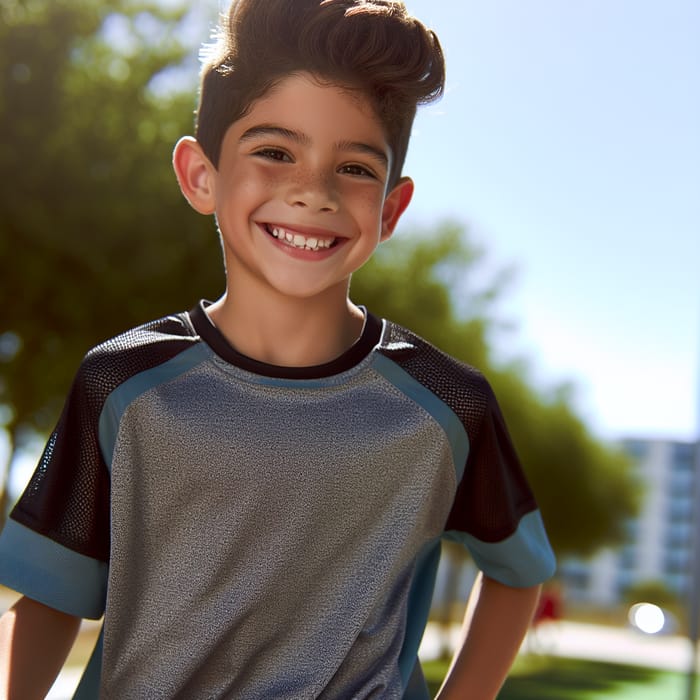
(211,335)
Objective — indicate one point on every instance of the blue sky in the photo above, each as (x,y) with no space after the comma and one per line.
(568,143)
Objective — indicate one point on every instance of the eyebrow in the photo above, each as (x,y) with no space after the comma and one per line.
(365,148)
(302,139)
(270,130)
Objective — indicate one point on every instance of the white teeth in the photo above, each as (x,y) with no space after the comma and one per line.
(297,240)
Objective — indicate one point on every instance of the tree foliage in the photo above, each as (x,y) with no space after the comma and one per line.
(94,234)
(652,591)
(95,238)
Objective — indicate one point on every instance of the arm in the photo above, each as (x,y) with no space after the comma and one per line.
(495,624)
(34,643)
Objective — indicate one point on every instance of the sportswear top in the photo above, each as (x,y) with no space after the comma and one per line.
(253,531)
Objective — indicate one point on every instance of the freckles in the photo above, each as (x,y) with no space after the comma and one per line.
(275,179)
(308,177)
(262,184)
(371,201)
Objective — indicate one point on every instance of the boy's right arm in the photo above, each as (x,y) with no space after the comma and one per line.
(34,643)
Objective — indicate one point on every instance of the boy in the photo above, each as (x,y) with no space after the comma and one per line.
(253,493)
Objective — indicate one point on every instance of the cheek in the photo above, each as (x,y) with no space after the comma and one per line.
(253,181)
(369,206)
(276,178)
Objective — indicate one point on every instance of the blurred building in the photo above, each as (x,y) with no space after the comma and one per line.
(660,540)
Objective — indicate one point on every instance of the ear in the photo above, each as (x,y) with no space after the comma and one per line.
(195,175)
(395,204)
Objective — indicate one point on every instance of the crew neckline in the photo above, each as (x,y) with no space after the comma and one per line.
(358,351)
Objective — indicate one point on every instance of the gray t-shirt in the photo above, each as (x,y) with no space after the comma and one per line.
(259,532)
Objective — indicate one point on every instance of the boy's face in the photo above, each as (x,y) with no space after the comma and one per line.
(300,194)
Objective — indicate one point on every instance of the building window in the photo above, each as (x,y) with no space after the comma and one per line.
(679,535)
(683,457)
(680,511)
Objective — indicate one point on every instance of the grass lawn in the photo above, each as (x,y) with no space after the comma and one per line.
(551,678)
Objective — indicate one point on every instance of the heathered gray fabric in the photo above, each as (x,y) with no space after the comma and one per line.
(264,549)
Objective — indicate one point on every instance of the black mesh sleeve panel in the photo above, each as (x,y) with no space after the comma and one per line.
(67,498)
(493,493)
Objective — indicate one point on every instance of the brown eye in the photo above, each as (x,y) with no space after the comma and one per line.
(274,154)
(355,169)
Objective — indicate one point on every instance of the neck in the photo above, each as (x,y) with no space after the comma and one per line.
(289,332)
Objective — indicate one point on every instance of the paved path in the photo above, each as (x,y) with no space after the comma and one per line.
(592,642)
(620,645)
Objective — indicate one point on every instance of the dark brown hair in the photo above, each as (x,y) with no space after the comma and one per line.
(373,46)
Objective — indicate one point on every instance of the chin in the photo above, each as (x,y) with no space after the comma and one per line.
(302,290)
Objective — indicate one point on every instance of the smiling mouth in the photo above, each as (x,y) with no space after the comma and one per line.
(295,239)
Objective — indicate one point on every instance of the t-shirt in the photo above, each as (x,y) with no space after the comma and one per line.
(253,531)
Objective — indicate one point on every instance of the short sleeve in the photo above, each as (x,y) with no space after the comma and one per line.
(55,546)
(495,513)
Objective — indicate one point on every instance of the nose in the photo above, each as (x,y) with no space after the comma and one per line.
(315,191)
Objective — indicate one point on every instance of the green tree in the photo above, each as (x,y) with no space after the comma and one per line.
(652,591)
(94,234)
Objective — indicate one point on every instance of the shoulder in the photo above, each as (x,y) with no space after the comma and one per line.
(460,385)
(112,362)
(149,338)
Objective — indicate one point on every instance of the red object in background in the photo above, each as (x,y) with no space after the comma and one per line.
(549,607)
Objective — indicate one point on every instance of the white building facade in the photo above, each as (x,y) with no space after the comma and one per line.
(660,540)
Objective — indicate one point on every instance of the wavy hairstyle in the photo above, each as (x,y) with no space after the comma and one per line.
(373,46)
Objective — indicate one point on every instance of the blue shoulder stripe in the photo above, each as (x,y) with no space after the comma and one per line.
(426,399)
(118,401)
(523,559)
(43,570)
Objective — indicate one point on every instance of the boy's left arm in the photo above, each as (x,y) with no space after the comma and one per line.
(496,621)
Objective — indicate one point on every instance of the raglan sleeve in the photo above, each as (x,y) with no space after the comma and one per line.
(495,514)
(54,547)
